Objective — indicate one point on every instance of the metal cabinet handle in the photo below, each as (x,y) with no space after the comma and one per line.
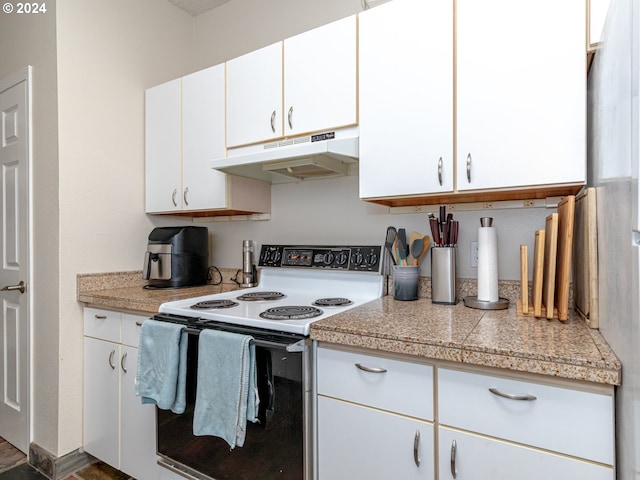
(273,121)
(113,352)
(440,171)
(122,360)
(10,288)
(290,118)
(184,196)
(138,324)
(364,368)
(469,167)
(511,396)
(173,197)
(416,444)
(100,317)
(454,448)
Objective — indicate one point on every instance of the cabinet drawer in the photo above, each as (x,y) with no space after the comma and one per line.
(102,324)
(131,325)
(561,419)
(390,384)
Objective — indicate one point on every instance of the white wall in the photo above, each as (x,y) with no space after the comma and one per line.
(30,40)
(241,26)
(109,51)
(329,212)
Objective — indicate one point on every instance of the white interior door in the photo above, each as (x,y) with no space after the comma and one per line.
(14,255)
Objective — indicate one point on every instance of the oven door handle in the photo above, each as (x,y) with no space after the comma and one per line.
(296,347)
(293,347)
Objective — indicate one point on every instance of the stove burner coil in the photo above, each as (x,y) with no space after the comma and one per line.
(258,296)
(291,313)
(214,304)
(332,302)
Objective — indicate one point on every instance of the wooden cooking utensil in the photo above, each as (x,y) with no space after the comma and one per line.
(426,240)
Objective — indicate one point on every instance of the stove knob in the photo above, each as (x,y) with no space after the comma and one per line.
(342,258)
(372,259)
(276,256)
(358,258)
(329,258)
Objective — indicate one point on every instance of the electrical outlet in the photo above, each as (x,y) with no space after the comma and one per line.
(474,254)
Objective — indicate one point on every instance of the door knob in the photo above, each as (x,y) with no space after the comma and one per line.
(9,288)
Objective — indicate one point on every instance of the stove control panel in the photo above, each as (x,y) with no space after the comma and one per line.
(355,259)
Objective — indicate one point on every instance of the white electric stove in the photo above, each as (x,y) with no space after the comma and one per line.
(298,285)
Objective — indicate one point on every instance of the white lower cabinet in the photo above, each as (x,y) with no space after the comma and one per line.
(375,417)
(464,456)
(118,429)
(378,418)
(507,427)
(356,441)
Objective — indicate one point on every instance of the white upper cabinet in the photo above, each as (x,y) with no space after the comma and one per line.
(406,98)
(305,84)
(203,139)
(521,93)
(163,147)
(185,127)
(254,96)
(320,78)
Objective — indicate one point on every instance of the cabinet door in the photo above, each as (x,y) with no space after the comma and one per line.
(359,442)
(320,78)
(138,438)
(162,147)
(482,458)
(101,400)
(406,98)
(254,96)
(521,93)
(203,139)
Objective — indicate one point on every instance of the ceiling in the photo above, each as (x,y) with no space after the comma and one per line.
(196,7)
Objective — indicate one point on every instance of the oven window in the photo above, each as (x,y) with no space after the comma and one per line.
(273,448)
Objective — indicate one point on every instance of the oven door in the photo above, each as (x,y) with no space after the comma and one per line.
(278,446)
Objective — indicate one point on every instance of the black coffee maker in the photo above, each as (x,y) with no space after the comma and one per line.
(177,257)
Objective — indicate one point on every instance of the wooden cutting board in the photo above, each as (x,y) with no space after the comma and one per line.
(550,253)
(585,258)
(566,211)
(538,270)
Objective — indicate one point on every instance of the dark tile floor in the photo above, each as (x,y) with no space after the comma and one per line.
(14,466)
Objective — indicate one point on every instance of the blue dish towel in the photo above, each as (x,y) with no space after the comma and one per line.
(226,393)
(162,365)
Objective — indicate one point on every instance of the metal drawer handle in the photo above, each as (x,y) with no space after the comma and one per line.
(469,168)
(184,196)
(100,317)
(173,197)
(511,396)
(273,121)
(364,368)
(113,352)
(416,444)
(122,360)
(10,288)
(454,448)
(290,118)
(138,324)
(440,171)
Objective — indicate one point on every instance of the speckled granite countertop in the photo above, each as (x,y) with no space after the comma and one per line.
(125,291)
(459,334)
(487,338)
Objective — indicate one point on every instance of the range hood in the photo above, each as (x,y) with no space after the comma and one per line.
(324,155)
